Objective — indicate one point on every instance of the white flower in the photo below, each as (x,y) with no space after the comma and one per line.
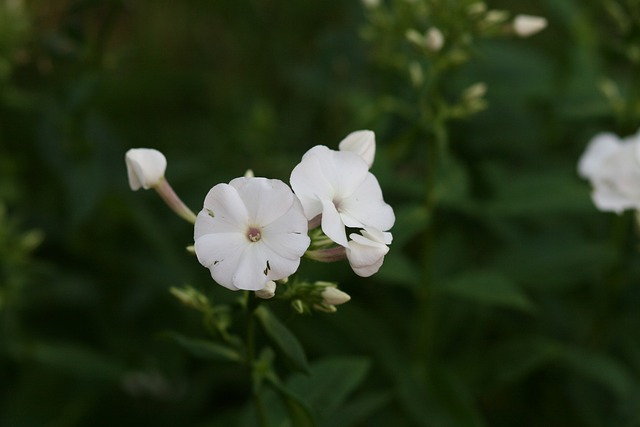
(361,142)
(433,39)
(613,167)
(338,185)
(250,231)
(528,25)
(145,167)
(366,252)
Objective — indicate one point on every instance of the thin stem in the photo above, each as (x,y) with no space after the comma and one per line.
(174,202)
(251,303)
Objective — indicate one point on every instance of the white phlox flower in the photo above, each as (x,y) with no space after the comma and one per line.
(250,232)
(145,167)
(613,167)
(366,251)
(339,186)
(362,142)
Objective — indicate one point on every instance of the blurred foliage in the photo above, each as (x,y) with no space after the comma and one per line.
(506,298)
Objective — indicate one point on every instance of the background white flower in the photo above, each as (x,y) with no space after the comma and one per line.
(338,185)
(145,167)
(613,167)
(250,231)
(366,252)
(528,25)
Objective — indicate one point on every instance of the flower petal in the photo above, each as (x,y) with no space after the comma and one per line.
(224,205)
(252,272)
(332,224)
(221,253)
(265,199)
(601,146)
(287,236)
(366,208)
(310,184)
(366,253)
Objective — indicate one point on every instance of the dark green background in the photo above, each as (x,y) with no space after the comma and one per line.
(534,303)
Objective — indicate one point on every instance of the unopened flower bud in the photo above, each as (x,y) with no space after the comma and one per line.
(269,290)
(334,296)
(371,4)
(145,167)
(416,74)
(475,91)
(361,142)
(249,173)
(527,25)
(298,306)
(477,8)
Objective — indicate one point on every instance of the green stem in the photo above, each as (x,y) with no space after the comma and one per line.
(425,322)
(251,303)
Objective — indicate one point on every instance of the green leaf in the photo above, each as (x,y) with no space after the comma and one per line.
(360,410)
(206,349)
(300,413)
(330,382)
(283,339)
(488,288)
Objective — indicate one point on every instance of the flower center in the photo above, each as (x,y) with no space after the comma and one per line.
(253,234)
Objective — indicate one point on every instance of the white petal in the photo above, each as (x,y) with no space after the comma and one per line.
(259,264)
(287,236)
(363,143)
(224,205)
(346,171)
(145,167)
(310,184)
(366,208)
(265,199)
(600,147)
(366,255)
(332,224)
(252,272)
(221,253)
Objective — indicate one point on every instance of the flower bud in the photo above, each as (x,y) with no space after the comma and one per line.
(362,142)
(366,251)
(433,39)
(332,296)
(145,167)
(527,25)
(269,290)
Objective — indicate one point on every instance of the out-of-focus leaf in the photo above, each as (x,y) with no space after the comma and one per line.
(489,288)
(300,413)
(74,360)
(330,382)
(456,397)
(206,349)
(360,410)
(283,339)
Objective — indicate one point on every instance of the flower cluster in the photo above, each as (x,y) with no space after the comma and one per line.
(252,232)
(613,167)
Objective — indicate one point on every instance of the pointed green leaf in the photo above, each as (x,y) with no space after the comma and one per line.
(330,382)
(283,339)
(206,349)
(300,413)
